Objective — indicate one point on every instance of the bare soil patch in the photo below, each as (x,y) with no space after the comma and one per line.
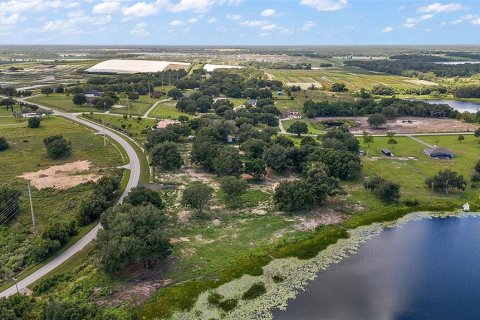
(407,125)
(62,177)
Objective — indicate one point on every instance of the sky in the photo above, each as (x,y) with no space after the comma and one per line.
(239,22)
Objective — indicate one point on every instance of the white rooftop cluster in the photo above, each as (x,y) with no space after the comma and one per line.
(136,66)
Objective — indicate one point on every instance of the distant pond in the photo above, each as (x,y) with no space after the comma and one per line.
(461,106)
(426,269)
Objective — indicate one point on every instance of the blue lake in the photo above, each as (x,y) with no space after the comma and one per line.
(461,106)
(428,269)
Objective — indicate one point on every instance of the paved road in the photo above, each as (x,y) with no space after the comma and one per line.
(80,244)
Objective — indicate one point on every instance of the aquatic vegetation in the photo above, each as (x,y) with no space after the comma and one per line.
(296,274)
(255,291)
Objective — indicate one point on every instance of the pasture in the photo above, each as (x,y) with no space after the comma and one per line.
(354,78)
(411,173)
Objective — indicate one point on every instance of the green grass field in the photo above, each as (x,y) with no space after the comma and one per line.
(313,128)
(60,102)
(138,107)
(27,154)
(354,78)
(167,110)
(411,174)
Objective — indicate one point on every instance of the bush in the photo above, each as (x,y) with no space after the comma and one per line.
(277,279)
(34,122)
(4,145)
(255,291)
(106,187)
(141,196)
(233,188)
(49,282)
(475,177)
(167,156)
(385,190)
(197,196)
(57,147)
(9,203)
(60,231)
(16,307)
(44,248)
(92,209)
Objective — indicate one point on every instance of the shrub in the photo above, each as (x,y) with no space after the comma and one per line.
(92,209)
(216,300)
(255,291)
(141,196)
(57,147)
(277,279)
(4,145)
(34,122)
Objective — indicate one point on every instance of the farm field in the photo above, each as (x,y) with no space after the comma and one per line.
(354,78)
(411,174)
(27,154)
(166,109)
(60,102)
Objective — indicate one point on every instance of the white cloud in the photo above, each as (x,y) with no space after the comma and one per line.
(176,23)
(212,20)
(107,7)
(140,30)
(140,9)
(438,7)
(19,6)
(411,22)
(308,25)
(194,5)
(387,29)
(268,12)
(325,5)
(262,24)
(192,20)
(476,21)
(234,16)
(11,20)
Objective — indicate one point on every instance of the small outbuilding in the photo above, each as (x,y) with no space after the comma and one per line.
(387,152)
(439,153)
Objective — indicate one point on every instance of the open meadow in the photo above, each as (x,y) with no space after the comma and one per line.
(354,78)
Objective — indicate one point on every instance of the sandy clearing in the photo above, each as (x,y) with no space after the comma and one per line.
(61,177)
(422,82)
(305,85)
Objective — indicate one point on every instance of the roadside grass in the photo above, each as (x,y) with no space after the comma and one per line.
(313,128)
(10,121)
(132,126)
(60,102)
(167,110)
(8,113)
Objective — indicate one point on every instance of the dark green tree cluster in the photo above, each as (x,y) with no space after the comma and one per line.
(132,236)
(385,190)
(34,122)
(4,145)
(445,181)
(57,147)
(197,196)
(311,190)
(364,107)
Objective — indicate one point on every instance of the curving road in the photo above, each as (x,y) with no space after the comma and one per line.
(89,237)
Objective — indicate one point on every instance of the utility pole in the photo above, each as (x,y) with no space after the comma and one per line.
(31,205)
(16,284)
(103,123)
